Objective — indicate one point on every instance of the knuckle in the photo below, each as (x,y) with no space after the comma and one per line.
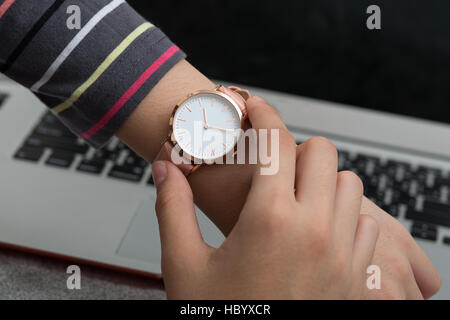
(272,217)
(286,135)
(323,145)
(286,140)
(260,110)
(350,180)
(370,223)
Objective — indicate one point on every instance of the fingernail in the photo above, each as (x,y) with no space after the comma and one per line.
(159,172)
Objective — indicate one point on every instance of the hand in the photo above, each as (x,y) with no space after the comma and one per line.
(147,126)
(406,271)
(312,243)
(397,253)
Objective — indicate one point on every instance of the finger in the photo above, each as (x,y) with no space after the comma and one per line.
(363,249)
(349,193)
(278,170)
(180,235)
(316,174)
(262,115)
(427,277)
(412,290)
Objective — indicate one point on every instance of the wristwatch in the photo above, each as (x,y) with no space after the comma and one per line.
(205,127)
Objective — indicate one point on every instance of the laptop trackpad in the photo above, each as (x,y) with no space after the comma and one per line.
(141,241)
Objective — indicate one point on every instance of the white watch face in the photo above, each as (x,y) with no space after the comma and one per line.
(205,126)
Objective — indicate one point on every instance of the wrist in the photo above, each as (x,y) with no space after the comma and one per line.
(147,128)
(148,125)
(219,190)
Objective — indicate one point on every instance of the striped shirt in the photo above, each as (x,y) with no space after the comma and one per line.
(92,76)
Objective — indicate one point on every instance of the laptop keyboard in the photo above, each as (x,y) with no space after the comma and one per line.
(65,148)
(419,194)
(422,193)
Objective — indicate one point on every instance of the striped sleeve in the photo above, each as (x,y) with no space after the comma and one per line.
(92,76)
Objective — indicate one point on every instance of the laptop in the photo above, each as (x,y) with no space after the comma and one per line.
(60,197)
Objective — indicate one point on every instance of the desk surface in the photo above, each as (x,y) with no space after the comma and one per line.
(28,276)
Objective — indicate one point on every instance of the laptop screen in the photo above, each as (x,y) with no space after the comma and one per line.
(321,49)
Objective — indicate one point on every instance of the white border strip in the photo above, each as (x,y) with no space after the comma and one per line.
(75,42)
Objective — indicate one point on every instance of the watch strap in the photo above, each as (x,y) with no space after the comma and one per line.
(238,95)
(166,154)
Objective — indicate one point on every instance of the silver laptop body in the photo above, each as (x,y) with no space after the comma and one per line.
(108,217)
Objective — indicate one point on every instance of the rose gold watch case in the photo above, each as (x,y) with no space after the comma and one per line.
(171,137)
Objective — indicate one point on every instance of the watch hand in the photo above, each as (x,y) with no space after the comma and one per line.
(206,118)
(223,129)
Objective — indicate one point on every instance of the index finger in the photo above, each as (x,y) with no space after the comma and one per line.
(316,174)
(278,144)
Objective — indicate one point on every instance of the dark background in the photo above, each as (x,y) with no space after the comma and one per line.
(320,48)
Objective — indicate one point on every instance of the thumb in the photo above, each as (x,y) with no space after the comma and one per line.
(178,227)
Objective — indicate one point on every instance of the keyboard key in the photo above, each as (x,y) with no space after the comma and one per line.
(391,209)
(399,197)
(370,180)
(91,166)
(401,187)
(396,171)
(344,162)
(424,231)
(65,144)
(432,236)
(29,153)
(432,194)
(52,131)
(396,163)
(432,212)
(135,160)
(104,154)
(60,159)
(443,181)
(366,157)
(427,176)
(446,240)
(424,226)
(436,171)
(127,173)
(365,163)
(122,146)
(343,154)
